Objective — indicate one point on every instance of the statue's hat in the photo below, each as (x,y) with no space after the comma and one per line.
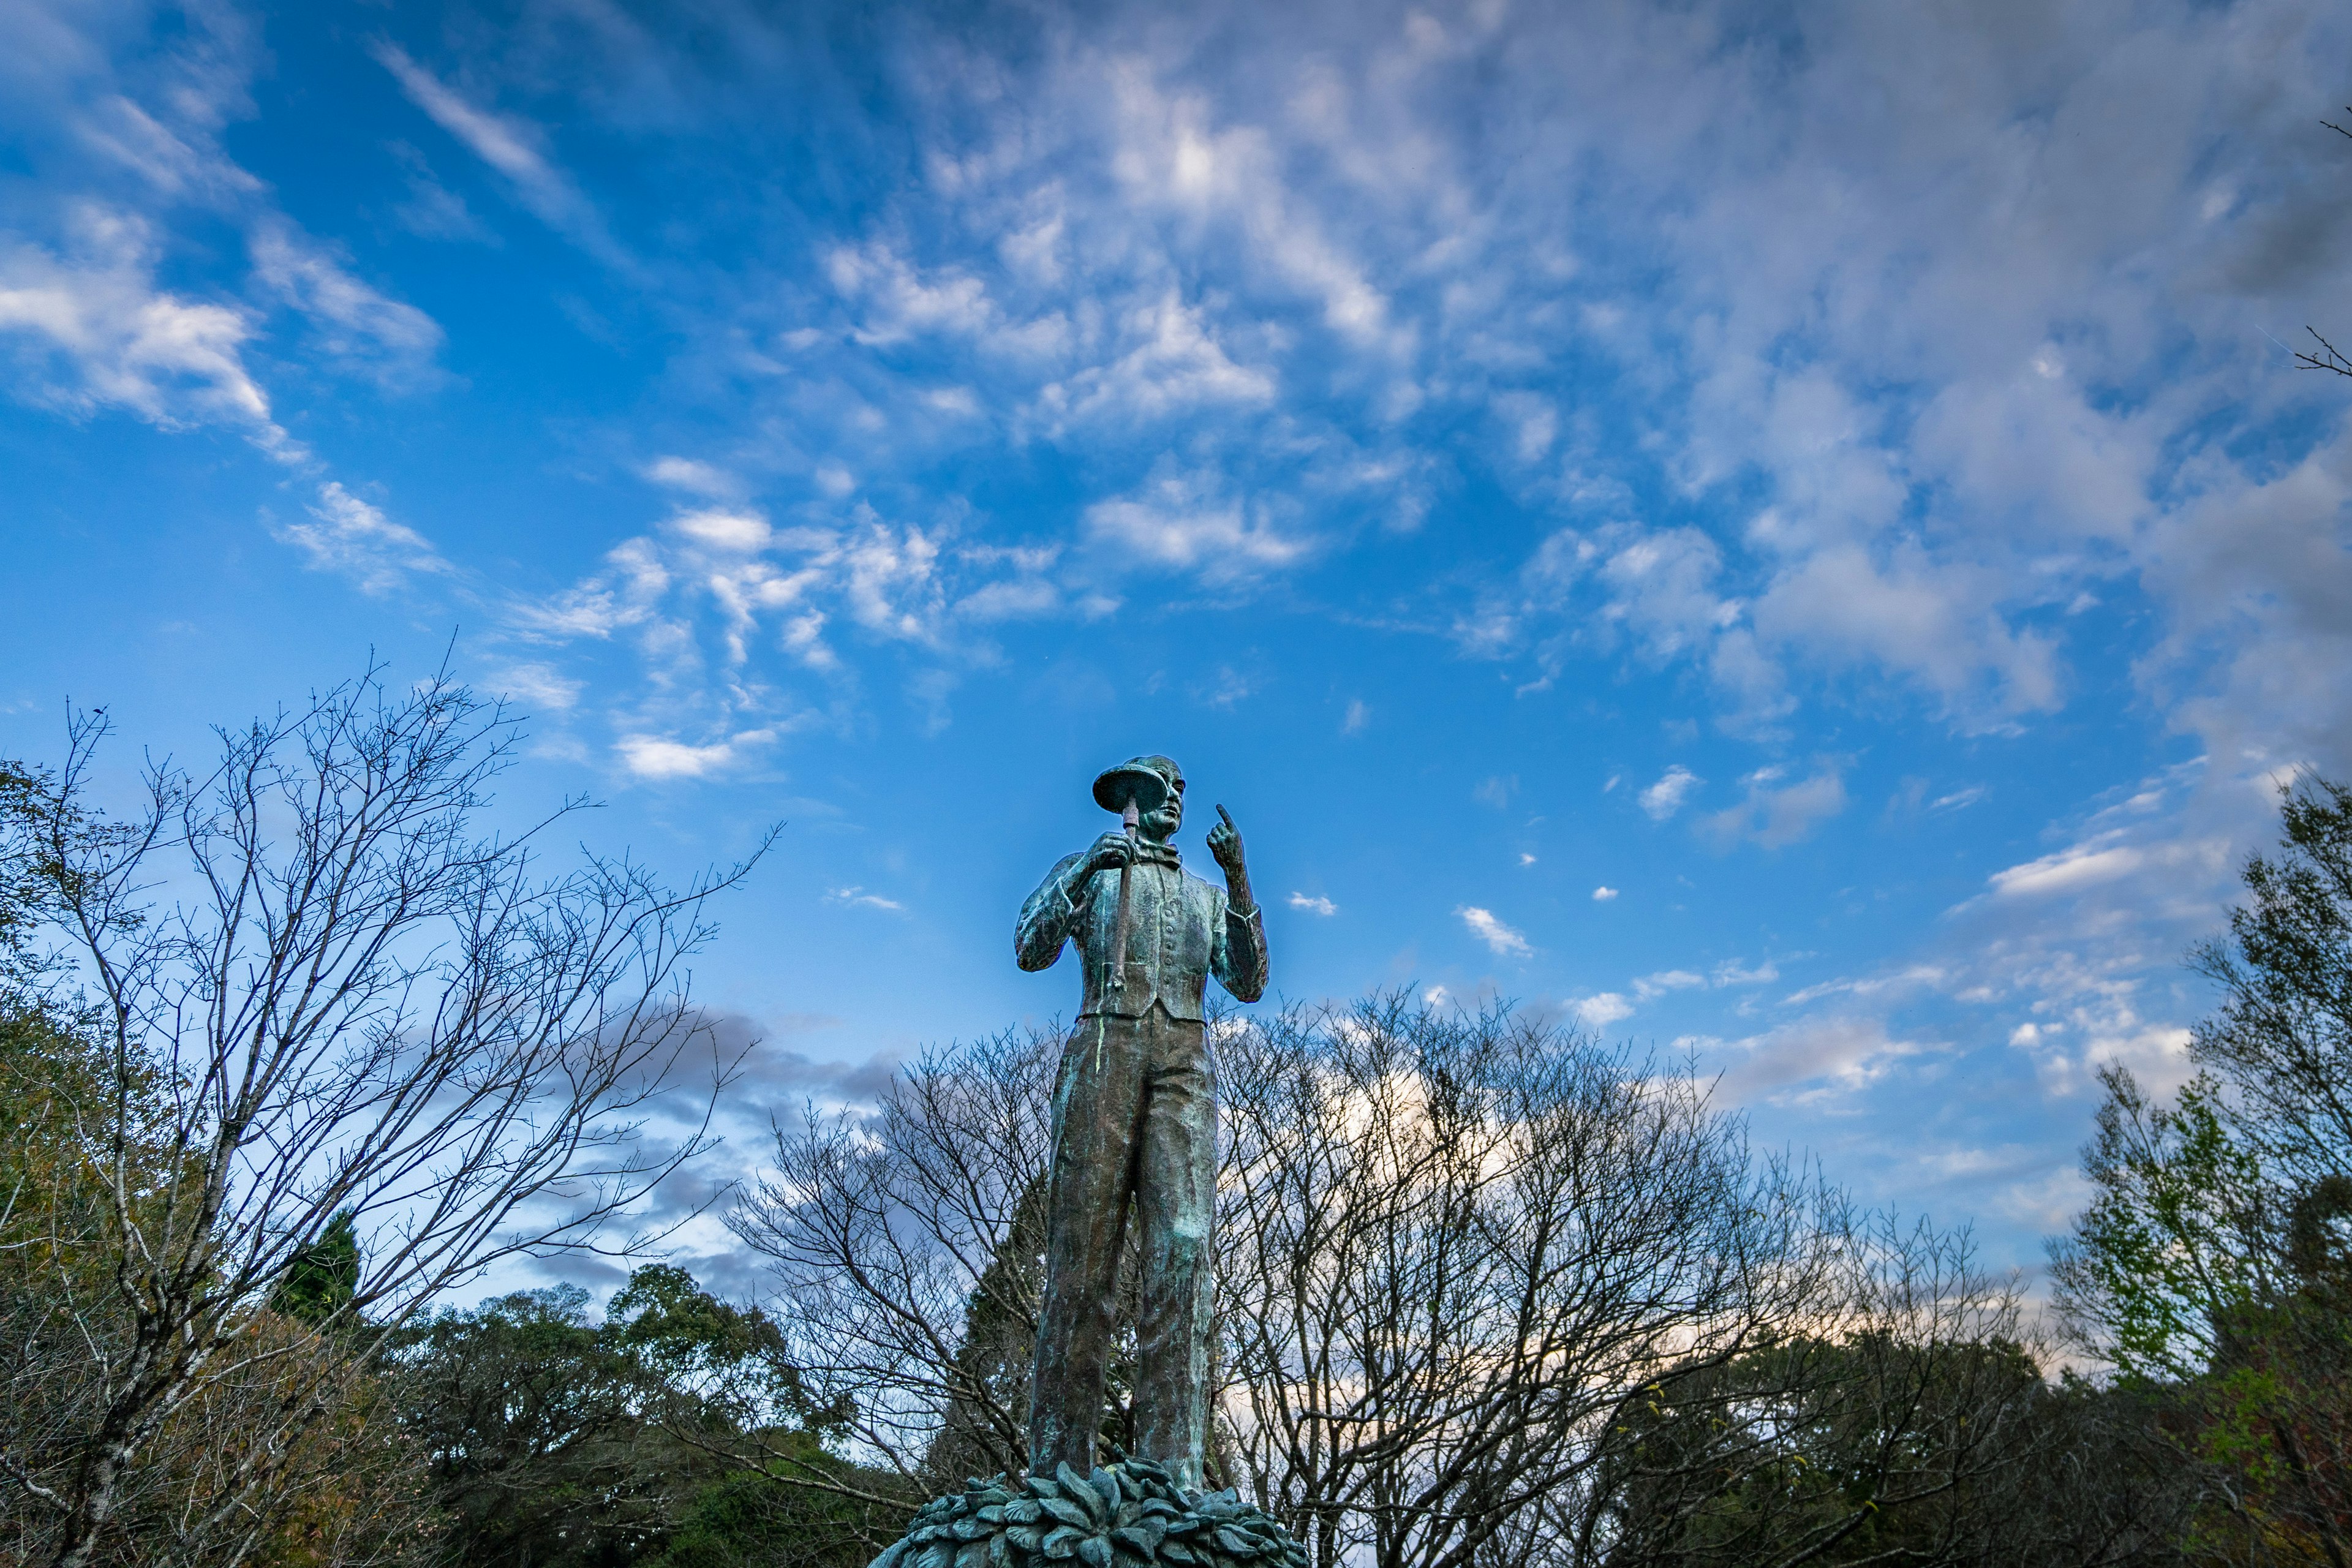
(1143,780)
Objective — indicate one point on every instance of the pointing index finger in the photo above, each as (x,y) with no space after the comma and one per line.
(1226,815)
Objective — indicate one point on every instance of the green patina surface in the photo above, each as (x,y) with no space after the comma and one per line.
(1129,1514)
(1134,1118)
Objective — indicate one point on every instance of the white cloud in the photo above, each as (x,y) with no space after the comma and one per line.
(2071,870)
(695,477)
(353,538)
(2048,1202)
(1171,153)
(729,574)
(513,147)
(434,211)
(1649,987)
(723,528)
(187,167)
(1775,817)
(1502,938)
(1313,906)
(1183,523)
(1599,895)
(95,331)
(537,685)
(1176,364)
(1665,797)
(1359,716)
(1902,980)
(902,303)
(1660,587)
(1601,1010)
(654,757)
(1907,612)
(356,323)
(1841,1054)
(858,898)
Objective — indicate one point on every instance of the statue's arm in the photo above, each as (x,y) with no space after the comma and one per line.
(1237,950)
(1052,912)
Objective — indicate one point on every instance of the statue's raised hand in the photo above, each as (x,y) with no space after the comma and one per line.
(1225,845)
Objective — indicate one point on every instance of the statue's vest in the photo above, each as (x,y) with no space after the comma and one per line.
(1179,935)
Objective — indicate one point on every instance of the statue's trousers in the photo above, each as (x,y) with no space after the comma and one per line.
(1135,1118)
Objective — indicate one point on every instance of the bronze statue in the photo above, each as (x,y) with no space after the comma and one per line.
(1135,1117)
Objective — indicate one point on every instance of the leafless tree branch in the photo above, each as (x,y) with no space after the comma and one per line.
(323,987)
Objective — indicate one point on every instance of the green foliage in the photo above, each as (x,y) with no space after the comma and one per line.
(24,885)
(2188,1228)
(2210,1266)
(2282,1039)
(1829,1450)
(2174,1237)
(324,1276)
(560,1442)
(750,1518)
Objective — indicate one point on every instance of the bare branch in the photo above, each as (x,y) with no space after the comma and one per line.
(323,987)
(2328,357)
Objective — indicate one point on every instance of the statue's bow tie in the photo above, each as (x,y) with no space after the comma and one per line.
(1147,853)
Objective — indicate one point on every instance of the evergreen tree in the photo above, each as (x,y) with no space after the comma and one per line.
(650,1438)
(2210,1265)
(324,1276)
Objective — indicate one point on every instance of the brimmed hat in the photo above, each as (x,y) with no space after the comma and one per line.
(1144,780)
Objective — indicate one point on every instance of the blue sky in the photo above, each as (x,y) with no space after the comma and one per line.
(1791,534)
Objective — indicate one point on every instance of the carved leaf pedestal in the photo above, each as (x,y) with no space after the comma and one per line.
(1127,1514)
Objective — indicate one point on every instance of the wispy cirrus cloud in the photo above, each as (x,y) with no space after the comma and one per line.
(352,537)
(92,329)
(513,147)
(357,324)
(1678,378)
(1187,522)
(86,310)
(1484,924)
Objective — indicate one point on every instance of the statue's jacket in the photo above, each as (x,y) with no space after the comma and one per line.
(1181,931)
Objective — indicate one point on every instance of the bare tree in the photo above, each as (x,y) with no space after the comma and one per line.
(2329,356)
(907,1248)
(321,986)
(1456,1251)
(1448,1248)
(1489,1294)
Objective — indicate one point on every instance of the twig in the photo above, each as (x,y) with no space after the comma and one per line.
(2329,357)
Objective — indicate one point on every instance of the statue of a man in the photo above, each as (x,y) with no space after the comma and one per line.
(1135,1118)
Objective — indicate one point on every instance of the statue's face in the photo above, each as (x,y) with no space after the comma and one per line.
(1161,824)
